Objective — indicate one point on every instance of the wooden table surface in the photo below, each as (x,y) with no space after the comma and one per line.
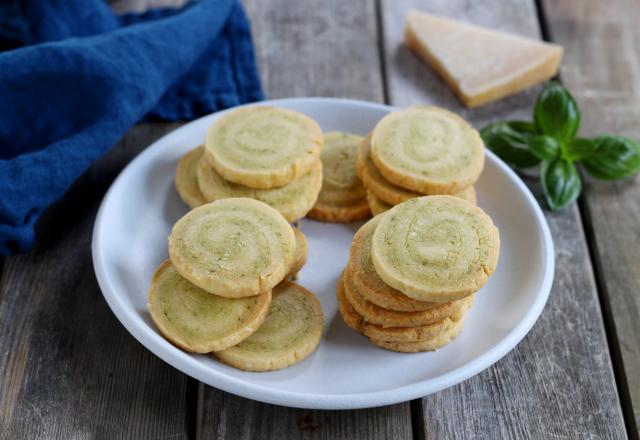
(69,370)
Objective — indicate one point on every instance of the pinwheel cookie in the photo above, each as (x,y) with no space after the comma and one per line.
(300,254)
(233,247)
(292,200)
(198,321)
(186,180)
(427,150)
(435,248)
(376,332)
(391,318)
(439,341)
(342,198)
(404,339)
(376,206)
(264,147)
(362,273)
(290,332)
(383,190)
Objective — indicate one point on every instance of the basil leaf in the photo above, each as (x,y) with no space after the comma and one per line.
(510,141)
(579,149)
(561,182)
(615,157)
(545,147)
(524,127)
(556,113)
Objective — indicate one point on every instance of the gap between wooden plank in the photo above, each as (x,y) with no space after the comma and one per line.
(613,343)
(417,420)
(380,41)
(192,399)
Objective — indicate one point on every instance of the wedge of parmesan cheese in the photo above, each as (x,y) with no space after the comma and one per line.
(481,65)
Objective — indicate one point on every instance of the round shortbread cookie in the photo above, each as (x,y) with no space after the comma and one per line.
(428,150)
(398,334)
(340,214)
(427,345)
(264,147)
(350,317)
(293,200)
(435,248)
(186,180)
(289,333)
(340,182)
(391,318)
(376,205)
(233,247)
(301,252)
(365,279)
(449,334)
(468,194)
(198,321)
(385,191)
(375,182)
(342,198)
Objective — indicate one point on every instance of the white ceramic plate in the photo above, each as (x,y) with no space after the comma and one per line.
(346,371)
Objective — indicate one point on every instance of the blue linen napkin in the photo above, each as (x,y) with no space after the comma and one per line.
(76,77)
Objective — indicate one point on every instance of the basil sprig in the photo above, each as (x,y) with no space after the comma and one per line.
(550,140)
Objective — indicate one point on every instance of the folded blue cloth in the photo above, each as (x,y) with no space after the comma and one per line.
(76,77)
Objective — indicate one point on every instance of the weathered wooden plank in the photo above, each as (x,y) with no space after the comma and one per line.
(558,382)
(317,48)
(602,69)
(231,417)
(68,369)
(322,48)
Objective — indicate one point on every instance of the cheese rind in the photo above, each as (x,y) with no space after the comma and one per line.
(481,65)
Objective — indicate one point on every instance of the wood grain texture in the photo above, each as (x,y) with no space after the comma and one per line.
(68,368)
(317,48)
(602,69)
(321,48)
(85,377)
(558,382)
(231,417)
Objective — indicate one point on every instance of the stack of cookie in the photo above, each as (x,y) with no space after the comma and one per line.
(413,272)
(419,151)
(342,197)
(223,292)
(264,153)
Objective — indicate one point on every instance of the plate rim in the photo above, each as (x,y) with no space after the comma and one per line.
(188,364)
